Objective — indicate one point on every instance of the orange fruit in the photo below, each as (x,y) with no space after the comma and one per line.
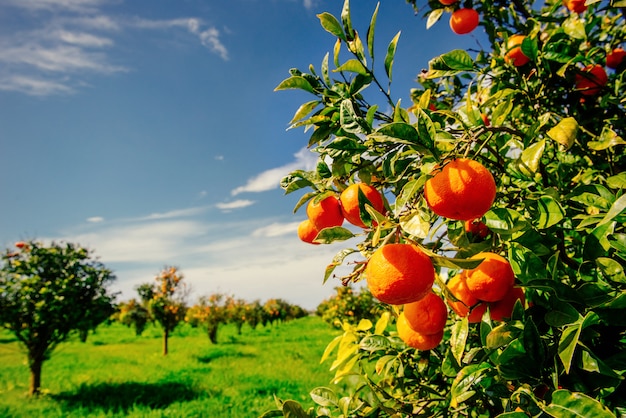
(428,315)
(477,228)
(476,313)
(463,190)
(514,54)
(399,273)
(350,202)
(485,119)
(458,287)
(325,213)
(492,279)
(504,307)
(464,21)
(615,58)
(576,6)
(415,339)
(447,2)
(591,80)
(307,231)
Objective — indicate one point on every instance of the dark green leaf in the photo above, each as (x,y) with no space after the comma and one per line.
(295,82)
(370,32)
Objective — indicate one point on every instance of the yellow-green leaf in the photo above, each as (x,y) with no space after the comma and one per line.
(564,132)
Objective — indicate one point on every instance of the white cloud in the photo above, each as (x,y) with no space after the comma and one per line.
(34,86)
(237,258)
(95,219)
(270,179)
(178,213)
(69,43)
(235,204)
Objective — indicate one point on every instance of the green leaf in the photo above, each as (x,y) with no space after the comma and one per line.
(324,396)
(370,32)
(608,138)
(617,181)
(391,53)
(564,132)
(349,120)
(337,233)
(347,20)
(292,409)
(617,208)
(502,335)
(433,17)
(455,263)
(331,25)
(562,313)
(574,27)
(566,404)
(381,324)
(337,261)
(373,343)
(468,378)
(295,82)
(612,269)
(505,221)
(460,331)
(353,66)
(325,69)
(528,162)
(546,212)
(450,63)
(304,110)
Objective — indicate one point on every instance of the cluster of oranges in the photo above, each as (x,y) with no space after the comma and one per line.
(330,211)
(402,274)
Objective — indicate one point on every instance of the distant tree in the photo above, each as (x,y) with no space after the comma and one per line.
(254,313)
(236,311)
(134,314)
(166,301)
(350,306)
(47,293)
(209,312)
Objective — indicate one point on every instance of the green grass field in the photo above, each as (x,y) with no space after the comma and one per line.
(115,374)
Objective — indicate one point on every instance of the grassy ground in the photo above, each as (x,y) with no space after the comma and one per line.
(115,374)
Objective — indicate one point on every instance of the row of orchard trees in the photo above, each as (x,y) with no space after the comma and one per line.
(49,292)
(164,303)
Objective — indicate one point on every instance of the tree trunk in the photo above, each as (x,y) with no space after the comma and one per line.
(166,334)
(35,376)
(212,332)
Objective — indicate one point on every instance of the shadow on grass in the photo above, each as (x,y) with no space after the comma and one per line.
(214,355)
(121,397)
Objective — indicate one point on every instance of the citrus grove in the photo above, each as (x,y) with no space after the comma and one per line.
(487,214)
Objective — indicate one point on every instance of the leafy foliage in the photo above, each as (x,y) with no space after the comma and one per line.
(557,153)
(350,306)
(49,291)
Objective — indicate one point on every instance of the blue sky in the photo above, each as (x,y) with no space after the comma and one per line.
(149,131)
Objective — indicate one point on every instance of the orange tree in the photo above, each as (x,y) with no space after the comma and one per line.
(209,312)
(133,314)
(165,301)
(547,122)
(47,292)
(349,305)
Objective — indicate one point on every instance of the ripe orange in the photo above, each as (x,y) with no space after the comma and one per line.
(428,315)
(415,339)
(514,54)
(576,6)
(307,231)
(463,190)
(447,2)
(458,287)
(350,202)
(477,228)
(504,307)
(326,213)
(399,273)
(485,119)
(464,21)
(492,279)
(615,58)
(591,80)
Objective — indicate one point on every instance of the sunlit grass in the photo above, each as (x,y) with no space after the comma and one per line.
(117,374)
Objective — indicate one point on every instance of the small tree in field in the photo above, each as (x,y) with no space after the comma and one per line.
(489,212)
(166,301)
(46,293)
(134,314)
(209,312)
